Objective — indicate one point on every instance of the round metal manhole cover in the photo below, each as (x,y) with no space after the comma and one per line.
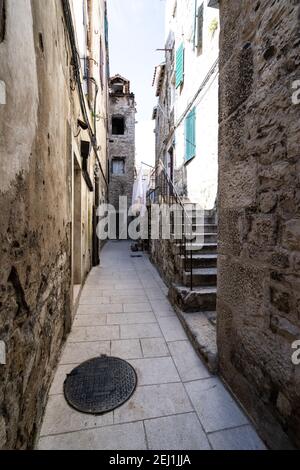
(100,385)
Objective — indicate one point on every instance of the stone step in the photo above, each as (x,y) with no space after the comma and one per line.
(203,228)
(201,329)
(200,298)
(206,228)
(199,248)
(201,219)
(201,277)
(191,207)
(204,237)
(201,261)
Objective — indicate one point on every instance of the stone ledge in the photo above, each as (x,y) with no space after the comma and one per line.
(199,299)
(202,334)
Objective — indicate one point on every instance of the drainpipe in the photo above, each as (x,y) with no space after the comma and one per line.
(76,65)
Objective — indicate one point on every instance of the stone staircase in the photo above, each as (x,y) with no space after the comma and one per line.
(196,306)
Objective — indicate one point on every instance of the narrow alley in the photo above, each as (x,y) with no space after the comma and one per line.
(178,404)
(150,228)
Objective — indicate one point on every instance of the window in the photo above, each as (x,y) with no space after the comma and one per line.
(200,22)
(180,65)
(118,87)
(118,166)
(118,125)
(190,135)
(2,20)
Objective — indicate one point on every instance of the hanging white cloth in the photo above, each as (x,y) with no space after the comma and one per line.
(139,193)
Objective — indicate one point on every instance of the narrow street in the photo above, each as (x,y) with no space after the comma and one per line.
(178,404)
(150,227)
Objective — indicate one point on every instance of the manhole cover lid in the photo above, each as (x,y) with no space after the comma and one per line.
(100,385)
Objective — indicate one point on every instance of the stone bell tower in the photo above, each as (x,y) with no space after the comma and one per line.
(121,140)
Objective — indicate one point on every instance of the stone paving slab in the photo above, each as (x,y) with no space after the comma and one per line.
(130,318)
(155,370)
(172,329)
(60,375)
(179,432)
(187,361)
(132,307)
(127,349)
(124,312)
(154,401)
(215,407)
(94,319)
(123,437)
(94,333)
(140,331)
(242,438)
(61,418)
(75,353)
(154,347)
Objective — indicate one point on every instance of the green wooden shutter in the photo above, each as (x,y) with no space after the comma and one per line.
(190,135)
(179,65)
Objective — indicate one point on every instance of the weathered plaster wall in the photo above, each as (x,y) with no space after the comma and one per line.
(38,128)
(35,185)
(122,146)
(201,173)
(21,87)
(259,212)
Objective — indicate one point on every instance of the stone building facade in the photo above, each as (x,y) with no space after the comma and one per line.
(259,213)
(186,127)
(187,89)
(53,143)
(122,111)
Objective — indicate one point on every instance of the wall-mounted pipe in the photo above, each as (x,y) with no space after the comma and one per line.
(76,65)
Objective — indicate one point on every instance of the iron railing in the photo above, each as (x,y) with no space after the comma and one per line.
(163,191)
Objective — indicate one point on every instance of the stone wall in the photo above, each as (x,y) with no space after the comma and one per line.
(122,146)
(259,213)
(38,122)
(162,253)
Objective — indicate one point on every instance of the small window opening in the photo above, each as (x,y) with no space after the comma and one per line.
(118,125)
(118,87)
(118,166)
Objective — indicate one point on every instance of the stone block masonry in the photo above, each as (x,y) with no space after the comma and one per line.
(39,108)
(122,141)
(259,213)
(35,313)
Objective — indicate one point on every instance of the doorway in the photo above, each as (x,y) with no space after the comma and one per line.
(77,239)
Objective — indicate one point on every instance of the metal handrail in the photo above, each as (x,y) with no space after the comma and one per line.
(185,218)
(175,190)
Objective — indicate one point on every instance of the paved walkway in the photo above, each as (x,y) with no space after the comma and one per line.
(124,312)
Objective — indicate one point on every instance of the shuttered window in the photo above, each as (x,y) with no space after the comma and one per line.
(180,65)
(200,22)
(190,135)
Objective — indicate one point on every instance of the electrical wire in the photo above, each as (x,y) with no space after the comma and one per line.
(76,66)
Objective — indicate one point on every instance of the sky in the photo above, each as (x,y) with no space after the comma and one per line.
(136,30)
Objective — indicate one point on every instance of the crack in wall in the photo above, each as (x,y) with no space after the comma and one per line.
(14,279)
